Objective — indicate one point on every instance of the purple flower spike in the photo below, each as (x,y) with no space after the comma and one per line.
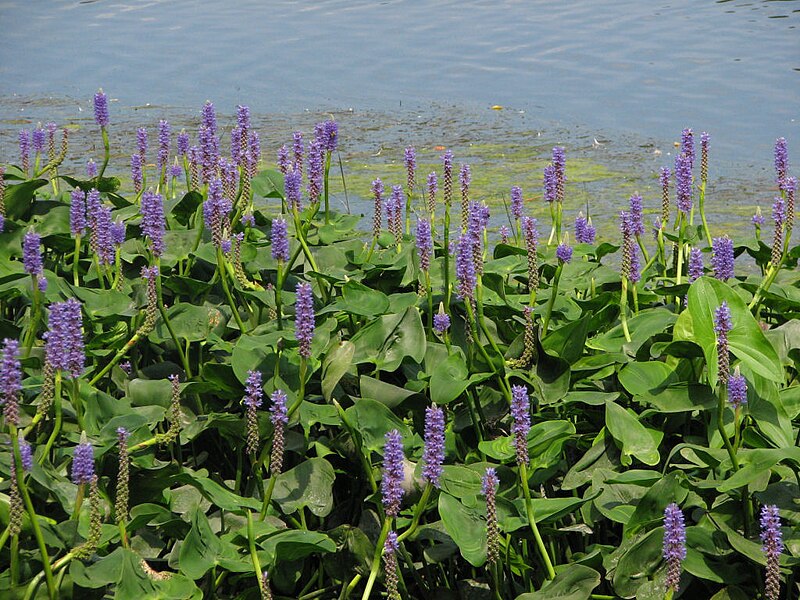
(772,539)
(101,109)
(465,267)
(183,143)
(31,254)
(722,257)
(424,243)
(683,183)
(550,184)
(291,186)
(101,236)
(564,253)
(394,212)
(433,186)
(781,159)
(253,393)
(209,117)
(505,233)
(298,150)
(520,412)
(26,454)
(283,159)
(410,159)
(433,455)
(636,215)
(153,223)
(10,372)
(280,240)
(585,232)
(722,326)
(136,172)
(304,318)
(82,462)
(447,170)
(141,141)
(278,410)
(91,169)
(687,144)
(663,178)
(758,219)
(516,202)
(674,545)
(163,144)
(393,473)
(559,162)
(489,486)
(441,322)
(38,140)
(316,170)
(64,338)
(737,391)
(630,250)
(331,136)
(377,194)
(25,149)
(695,269)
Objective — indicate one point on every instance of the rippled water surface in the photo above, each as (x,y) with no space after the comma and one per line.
(627,71)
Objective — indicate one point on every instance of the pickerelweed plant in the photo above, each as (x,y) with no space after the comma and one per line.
(262,401)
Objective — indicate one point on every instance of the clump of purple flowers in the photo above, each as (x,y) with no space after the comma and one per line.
(280,418)
(31,254)
(153,222)
(585,232)
(520,412)
(252,401)
(394,213)
(674,545)
(516,202)
(441,322)
(304,319)
(636,215)
(737,391)
(424,243)
(722,327)
(280,240)
(683,183)
(433,186)
(64,338)
(291,186)
(101,109)
(695,268)
(10,371)
(630,250)
(722,257)
(82,462)
(564,253)
(772,540)
(393,473)
(781,159)
(465,267)
(410,160)
(433,454)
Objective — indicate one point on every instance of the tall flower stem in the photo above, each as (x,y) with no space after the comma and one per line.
(418,510)
(723,394)
(267,497)
(223,277)
(37,531)
(681,232)
(36,309)
(701,207)
(551,301)
(251,543)
(278,288)
(428,293)
(302,391)
(106,152)
(376,560)
(446,248)
(623,309)
(523,474)
(58,418)
(75,258)
(325,185)
(161,309)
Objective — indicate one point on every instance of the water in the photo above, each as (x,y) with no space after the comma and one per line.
(625,73)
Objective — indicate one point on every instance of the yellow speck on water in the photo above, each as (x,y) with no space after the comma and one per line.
(497,107)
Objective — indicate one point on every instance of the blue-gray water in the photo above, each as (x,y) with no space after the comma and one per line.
(628,69)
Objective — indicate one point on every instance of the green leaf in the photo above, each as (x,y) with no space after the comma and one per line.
(573,582)
(296,544)
(466,526)
(745,340)
(19,197)
(449,380)
(308,485)
(628,431)
(200,549)
(373,420)
(337,362)
(656,383)
(650,509)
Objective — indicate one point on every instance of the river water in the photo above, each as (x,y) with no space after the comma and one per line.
(614,82)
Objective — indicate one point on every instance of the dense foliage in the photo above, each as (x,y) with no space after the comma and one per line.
(215,386)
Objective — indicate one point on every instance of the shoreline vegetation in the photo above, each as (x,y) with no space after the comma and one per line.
(216,384)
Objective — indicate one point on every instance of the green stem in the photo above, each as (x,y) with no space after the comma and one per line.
(57,424)
(223,277)
(418,510)
(161,309)
(327,170)
(267,497)
(75,258)
(106,152)
(251,542)
(376,560)
(551,301)
(302,389)
(623,309)
(723,393)
(701,205)
(37,531)
(523,473)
